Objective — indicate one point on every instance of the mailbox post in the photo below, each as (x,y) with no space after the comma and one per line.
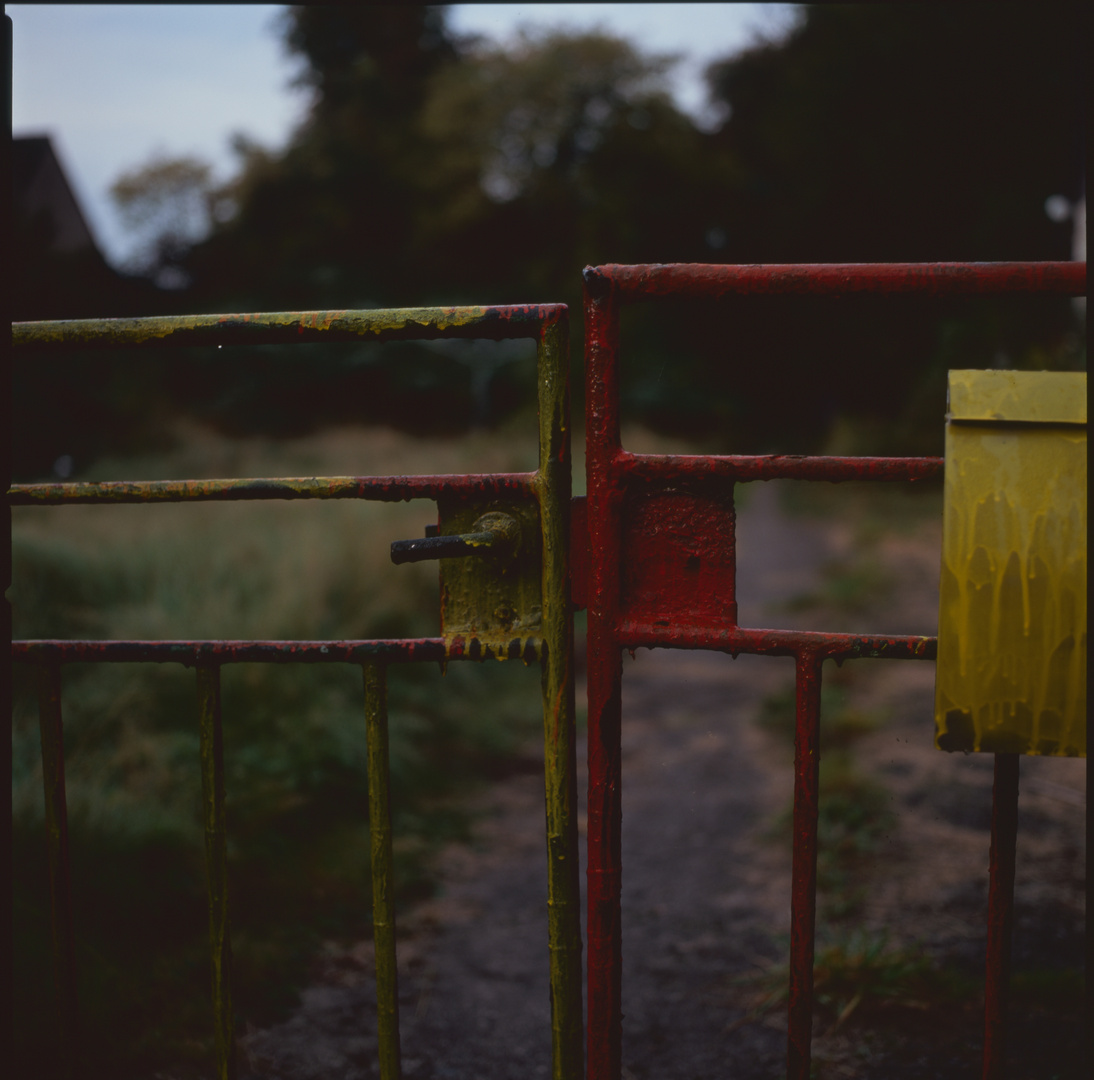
(1011,675)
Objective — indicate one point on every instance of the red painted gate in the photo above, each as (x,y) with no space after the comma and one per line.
(661,574)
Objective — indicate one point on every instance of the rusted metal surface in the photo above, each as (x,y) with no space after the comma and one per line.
(1001,864)
(659,571)
(373,488)
(292,327)
(216,865)
(60,878)
(383,876)
(836,279)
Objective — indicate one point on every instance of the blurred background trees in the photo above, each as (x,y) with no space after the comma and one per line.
(436,169)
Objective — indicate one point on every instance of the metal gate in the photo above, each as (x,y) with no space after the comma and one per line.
(656,564)
(505,544)
(661,574)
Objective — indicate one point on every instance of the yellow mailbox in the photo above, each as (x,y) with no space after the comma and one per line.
(1011,672)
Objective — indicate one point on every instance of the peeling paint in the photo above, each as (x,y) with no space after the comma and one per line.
(284,327)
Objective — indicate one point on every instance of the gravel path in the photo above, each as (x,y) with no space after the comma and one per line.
(706,887)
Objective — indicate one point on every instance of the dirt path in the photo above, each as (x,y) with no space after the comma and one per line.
(706,882)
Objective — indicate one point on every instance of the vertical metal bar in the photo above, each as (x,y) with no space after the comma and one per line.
(554,485)
(605,671)
(1089,1003)
(803,900)
(383,881)
(216,863)
(60,883)
(1004,837)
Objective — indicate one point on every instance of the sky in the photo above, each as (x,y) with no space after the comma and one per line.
(114,85)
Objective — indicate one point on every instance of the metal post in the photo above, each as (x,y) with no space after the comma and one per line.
(60,882)
(1004,837)
(553,486)
(383,881)
(803,900)
(216,862)
(605,673)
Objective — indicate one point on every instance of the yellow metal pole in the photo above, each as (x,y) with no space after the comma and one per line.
(383,885)
(559,746)
(216,861)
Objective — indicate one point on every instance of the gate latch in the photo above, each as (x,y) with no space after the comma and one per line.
(495,535)
(491,576)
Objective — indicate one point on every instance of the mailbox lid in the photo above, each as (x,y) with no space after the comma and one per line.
(1011,673)
(1039,397)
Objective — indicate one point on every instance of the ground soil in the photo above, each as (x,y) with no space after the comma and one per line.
(706,872)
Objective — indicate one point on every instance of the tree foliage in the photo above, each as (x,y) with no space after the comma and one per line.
(434,169)
(169,204)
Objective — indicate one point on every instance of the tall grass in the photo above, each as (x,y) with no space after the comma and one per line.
(294,735)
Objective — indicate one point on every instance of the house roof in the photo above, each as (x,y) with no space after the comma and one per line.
(43,197)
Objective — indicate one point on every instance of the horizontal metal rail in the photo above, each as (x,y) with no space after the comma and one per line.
(660,281)
(291,327)
(371,488)
(193,653)
(693,469)
(736,640)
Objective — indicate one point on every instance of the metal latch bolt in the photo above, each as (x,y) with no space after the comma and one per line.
(494,534)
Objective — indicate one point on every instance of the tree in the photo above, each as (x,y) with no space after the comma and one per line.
(893,133)
(327,221)
(907,132)
(169,204)
(437,170)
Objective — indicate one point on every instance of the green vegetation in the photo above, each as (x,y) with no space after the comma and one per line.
(861,971)
(858,968)
(848,585)
(294,736)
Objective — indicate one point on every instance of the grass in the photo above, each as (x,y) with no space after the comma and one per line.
(294,735)
(861,971)
(854,817)
(850,586)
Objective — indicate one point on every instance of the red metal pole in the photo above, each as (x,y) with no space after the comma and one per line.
(605,670)
(803,901)
(1004,836)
